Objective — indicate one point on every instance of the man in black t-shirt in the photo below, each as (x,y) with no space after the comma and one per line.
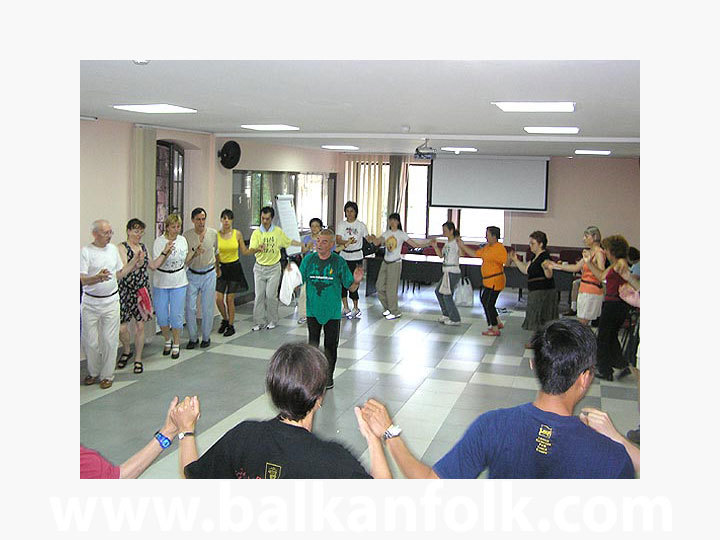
(283,447)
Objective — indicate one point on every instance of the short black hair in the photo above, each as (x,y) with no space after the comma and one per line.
(227,213)
(495,231)
(633,254)
(540,237)
(135,223)
(268,210)
(296,379)
(316,220)
(196,211)
(353,205)
(396,217)
(563,350)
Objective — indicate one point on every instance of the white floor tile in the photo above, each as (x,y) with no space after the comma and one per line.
(92,392)
(527,383)
(446,387)
(158,362)
(245,352)
(351,354)
(371,365)
(432,399)
(493,379)
(409,368)
(458,364)
(499,359)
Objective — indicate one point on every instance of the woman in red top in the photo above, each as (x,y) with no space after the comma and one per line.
(614,310)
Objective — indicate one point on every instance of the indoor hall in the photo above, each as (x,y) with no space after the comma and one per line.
(375,147)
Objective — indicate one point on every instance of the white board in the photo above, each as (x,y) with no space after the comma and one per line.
(287,220)
(505,183)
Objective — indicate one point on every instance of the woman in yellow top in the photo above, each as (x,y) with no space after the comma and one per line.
(230,277)
(494,256)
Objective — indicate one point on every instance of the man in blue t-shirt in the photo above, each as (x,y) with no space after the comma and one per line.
(535,440)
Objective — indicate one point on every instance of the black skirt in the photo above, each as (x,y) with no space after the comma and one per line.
(232,279)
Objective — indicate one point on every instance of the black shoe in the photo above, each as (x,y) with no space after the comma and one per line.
(229,331)
(603,376)
(624,373)
(223,326)
(204,344)
(192,344)
(330,385)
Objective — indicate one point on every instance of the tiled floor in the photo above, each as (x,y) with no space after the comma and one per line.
(434,379)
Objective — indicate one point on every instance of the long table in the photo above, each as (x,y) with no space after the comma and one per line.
(428,269)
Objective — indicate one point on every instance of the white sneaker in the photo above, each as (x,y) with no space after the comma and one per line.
(346,313)
(302,320)
(270,326)
(386,313)
(257,327)
(452,323)
(355,314)
(442,319)
(391,317)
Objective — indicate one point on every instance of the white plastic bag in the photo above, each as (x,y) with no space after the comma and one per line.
(464,293)
(291,279)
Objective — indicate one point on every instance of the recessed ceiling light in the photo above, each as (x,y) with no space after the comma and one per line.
(535,106)
(458,149)
(553,130)
(270,127)
(155,108)
(592,152)
(339,147)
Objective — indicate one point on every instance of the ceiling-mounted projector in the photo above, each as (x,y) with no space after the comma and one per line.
(424,151)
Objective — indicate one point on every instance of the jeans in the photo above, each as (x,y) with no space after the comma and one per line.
(204,286)
(447,304)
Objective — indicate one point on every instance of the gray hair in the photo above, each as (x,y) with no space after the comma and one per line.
(97,223)
(593,231)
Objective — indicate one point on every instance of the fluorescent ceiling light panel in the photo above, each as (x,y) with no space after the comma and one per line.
(270,127)
(554,130)
(339,147)
(155,108)
(458,149)
(592,152)
(535,106)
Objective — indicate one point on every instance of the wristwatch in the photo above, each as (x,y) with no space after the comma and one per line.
(392,431)
(162,440)
(184,434)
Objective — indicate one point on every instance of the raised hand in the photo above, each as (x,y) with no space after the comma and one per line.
(140,258)
(186,414)
(600,422)
(170,247)
(376,416)
(104,275)
(629,295)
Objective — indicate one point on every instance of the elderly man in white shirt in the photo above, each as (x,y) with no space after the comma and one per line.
(100,270)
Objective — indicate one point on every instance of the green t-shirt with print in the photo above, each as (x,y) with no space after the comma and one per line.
(324,280)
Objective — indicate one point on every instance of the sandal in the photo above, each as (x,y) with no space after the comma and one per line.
(124,357)
(167,347)
(175,352)
(138,367)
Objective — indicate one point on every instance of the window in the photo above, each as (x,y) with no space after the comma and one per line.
(416,200)
(252,190)
(169,183)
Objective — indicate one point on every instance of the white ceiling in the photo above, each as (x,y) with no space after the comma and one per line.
(367,103)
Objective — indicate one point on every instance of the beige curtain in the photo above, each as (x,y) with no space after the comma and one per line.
(366,184)
(397,184)
(142,177)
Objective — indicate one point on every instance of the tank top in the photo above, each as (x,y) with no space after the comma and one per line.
(589,284)
(228,248)
(451,257)
(612,286)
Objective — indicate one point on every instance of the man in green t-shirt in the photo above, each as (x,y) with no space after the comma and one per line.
(325,273)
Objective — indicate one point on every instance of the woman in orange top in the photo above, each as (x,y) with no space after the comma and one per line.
(590,293)
(494,256)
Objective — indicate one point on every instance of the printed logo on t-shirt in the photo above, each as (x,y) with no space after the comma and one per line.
(543,439)
(272,471)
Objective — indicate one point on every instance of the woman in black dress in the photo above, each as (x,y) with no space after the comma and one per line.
(542,304)
(135,302)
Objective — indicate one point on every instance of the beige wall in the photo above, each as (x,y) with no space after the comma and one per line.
(104,175)
(584,191)
(581,191)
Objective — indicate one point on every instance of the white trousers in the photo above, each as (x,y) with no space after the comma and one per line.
(100,337)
